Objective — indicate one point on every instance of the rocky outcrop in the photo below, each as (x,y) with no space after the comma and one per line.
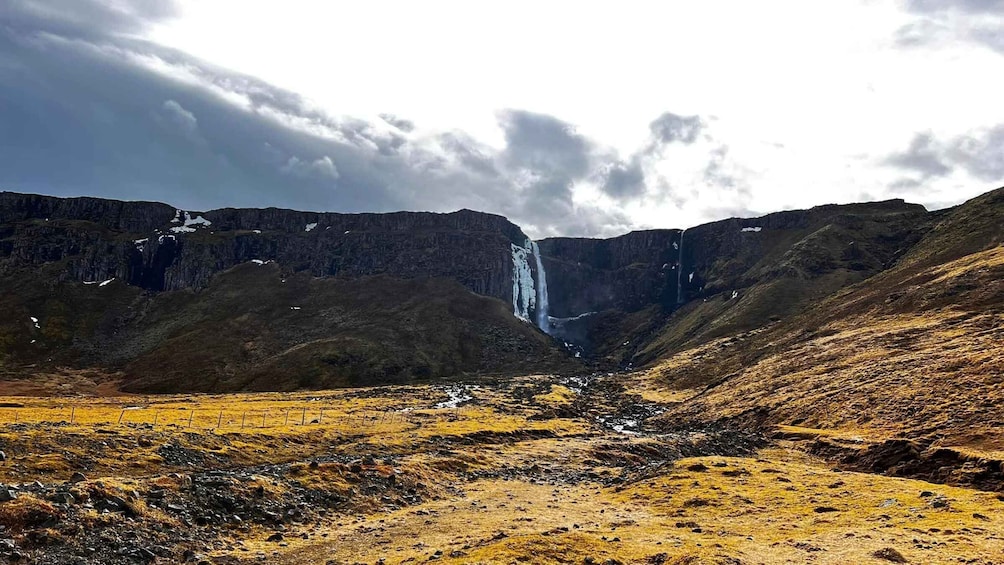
(624,273)
(157,247)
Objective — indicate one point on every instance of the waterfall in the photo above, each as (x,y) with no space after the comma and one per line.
(679,272)
(543,321)
(523,295)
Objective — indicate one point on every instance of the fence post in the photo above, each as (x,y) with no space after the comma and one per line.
(156,417)
(190,415)
(219,421)
(73,410)
(303,417)
(286,423)
(121,415)
(243,416)
(320,419)
(263,419)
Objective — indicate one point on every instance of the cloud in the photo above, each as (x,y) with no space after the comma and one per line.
(625,180)
(938,22)
(923,156)
(400,123)
(993,7)
(979,153)
(322,168)
(133,120)
(179,120)
(670,128)
(130,119)
(89,17)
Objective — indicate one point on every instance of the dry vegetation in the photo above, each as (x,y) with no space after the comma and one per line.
(521,472)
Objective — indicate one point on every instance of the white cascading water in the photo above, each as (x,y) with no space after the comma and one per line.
(543,321)
(523,295)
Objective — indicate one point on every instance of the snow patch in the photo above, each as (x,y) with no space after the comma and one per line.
(139,243)
(256,231)
(310,226)
(691,279)
(160,239)
(756,229)
(107,282)
(188,222)
(294,307)
(735,294)
(34,320)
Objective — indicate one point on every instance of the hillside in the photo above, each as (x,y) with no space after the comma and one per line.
(174,300)
(257,328)
(914,353)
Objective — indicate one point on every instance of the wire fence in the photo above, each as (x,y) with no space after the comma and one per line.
(228,419)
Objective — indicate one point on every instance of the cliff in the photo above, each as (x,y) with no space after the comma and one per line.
(156,247)
(444,281)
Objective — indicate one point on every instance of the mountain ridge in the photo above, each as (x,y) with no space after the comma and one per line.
(626,301)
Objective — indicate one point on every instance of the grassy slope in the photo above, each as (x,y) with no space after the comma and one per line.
(255,328)
(915,351)
(777,273)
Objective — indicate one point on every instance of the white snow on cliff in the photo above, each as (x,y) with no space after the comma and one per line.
(188,222)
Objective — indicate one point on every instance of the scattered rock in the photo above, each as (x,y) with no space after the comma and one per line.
(890,554)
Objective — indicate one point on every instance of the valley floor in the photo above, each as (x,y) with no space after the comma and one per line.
(532,470)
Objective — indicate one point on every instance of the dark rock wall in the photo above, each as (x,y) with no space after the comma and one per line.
(92,239)
(97,239)
(625,273)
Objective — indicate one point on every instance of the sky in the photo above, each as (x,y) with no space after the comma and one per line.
(569,118)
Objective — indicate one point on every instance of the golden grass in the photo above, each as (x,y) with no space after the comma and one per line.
(779,508)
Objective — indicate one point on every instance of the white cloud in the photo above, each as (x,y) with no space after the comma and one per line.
(320,168)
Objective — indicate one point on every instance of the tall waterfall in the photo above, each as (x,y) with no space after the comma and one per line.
(543,320)
(523,295)
(679,272)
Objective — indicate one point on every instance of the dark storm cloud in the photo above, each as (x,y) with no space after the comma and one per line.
(979,153)
(87,17)
(545,144)
(625,180)
(89,110)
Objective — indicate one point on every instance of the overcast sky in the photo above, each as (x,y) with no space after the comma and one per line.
(570,118)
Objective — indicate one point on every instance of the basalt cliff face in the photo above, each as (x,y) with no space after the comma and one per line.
(156,247)
(126,286)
